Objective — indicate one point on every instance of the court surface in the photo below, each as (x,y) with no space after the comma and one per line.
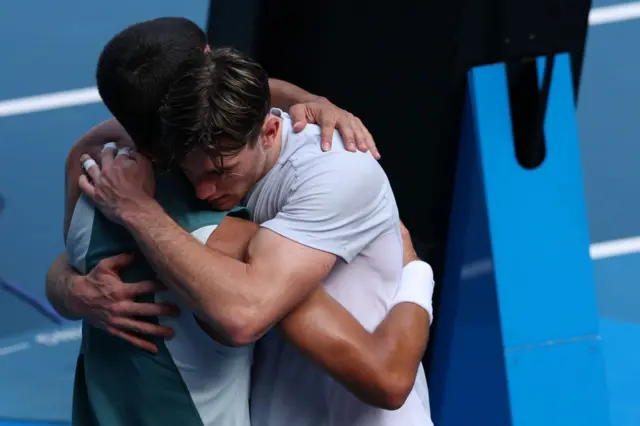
(52,47)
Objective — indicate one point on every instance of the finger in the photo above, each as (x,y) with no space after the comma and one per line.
(374,149)
(299,126)
(143,287)
(134,340)
(298,116)
(326,135)
(347,133)
(137,157)
(124,151)
(131,308)
(115,263)
(109,145)
(86,186)
(90,167)
(141,327)
(370,144)
(108,154)
(359,134)
(123,157)
(362,135)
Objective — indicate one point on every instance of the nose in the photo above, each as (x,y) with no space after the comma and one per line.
(205,190)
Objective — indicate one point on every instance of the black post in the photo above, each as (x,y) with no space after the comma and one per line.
(401,67)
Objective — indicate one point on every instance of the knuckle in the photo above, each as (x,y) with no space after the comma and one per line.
(115,308)
(103,265)
(146,328)
(112,309)
(119,295)
(110,318)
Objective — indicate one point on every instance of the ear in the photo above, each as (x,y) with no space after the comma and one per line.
(270,130)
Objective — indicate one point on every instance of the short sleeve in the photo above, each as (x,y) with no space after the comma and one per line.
(338,203)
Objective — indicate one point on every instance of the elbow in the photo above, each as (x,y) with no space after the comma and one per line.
(393,390)
(243,326)
(242,336)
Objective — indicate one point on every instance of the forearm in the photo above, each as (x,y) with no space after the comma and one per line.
(379,367)
(211,283)
(59,284)
(284,95)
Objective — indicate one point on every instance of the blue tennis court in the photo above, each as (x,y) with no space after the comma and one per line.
(52,47)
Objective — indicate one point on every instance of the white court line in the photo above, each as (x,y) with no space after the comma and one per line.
(598,251)
(50,101)
(614,248)
(616,13)
(14,348)
(89,95)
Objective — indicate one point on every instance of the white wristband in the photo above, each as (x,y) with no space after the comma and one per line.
(416,286)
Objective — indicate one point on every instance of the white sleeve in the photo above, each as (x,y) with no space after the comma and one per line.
(338,204)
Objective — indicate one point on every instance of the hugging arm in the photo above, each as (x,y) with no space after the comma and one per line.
(378,367)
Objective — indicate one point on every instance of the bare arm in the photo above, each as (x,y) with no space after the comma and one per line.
(60,276)
(244,299)
(59,286)
(100,297)
(380,367)
(284,95)
(306,107)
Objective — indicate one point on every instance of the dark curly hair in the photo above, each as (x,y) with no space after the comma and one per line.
(136,68)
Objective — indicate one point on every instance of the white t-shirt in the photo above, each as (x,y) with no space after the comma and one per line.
(342,203)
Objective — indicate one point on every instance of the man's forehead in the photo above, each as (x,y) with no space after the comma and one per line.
(203,161)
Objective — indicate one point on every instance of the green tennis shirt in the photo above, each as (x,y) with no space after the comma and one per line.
(192,380)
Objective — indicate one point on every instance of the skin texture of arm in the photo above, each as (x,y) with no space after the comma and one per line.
(245,299)
(380,367)
(60,274)
(100,296)
(59,286)
(60,277)
(284,95)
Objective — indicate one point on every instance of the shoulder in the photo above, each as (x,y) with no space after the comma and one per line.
(78,236)
(341,176)
(92,237)
(338,179)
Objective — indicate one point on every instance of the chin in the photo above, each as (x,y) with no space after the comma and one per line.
(224,204)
